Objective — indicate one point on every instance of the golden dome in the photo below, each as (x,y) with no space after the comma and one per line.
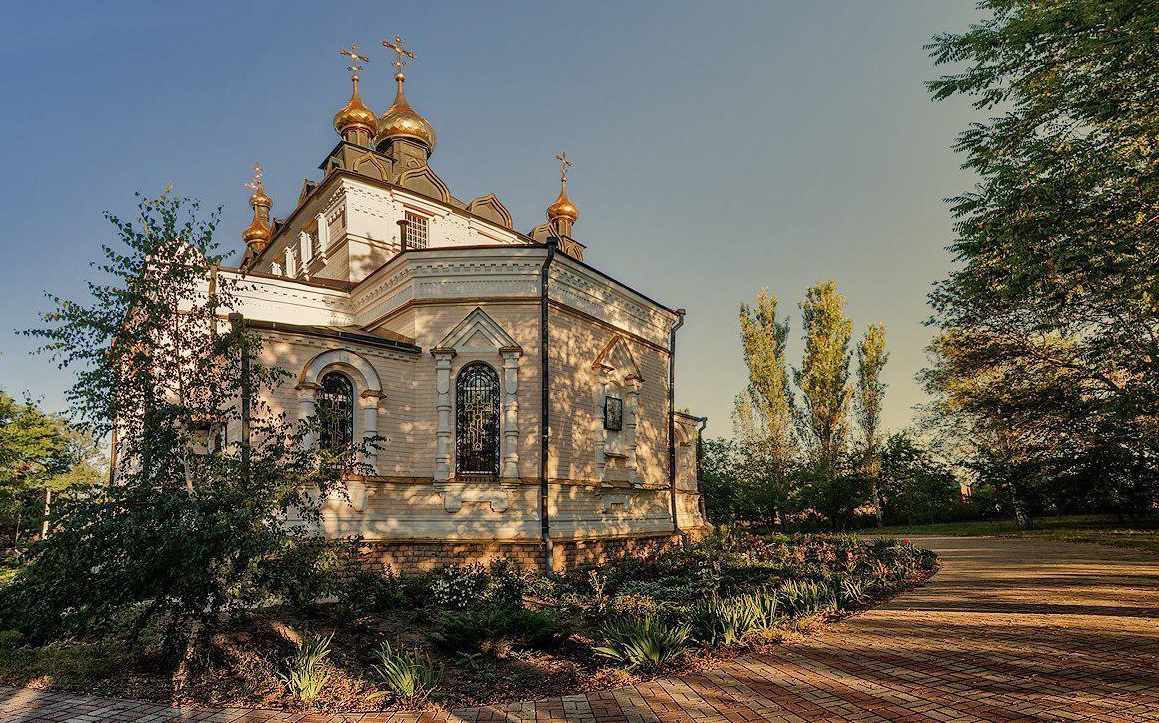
(563,208)
(258,234)
(261,198)
(402,121)
(356,114)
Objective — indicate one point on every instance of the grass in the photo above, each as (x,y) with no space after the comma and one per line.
(1144,535)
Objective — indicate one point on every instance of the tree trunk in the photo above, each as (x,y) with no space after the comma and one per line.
(876,493)
(47,512)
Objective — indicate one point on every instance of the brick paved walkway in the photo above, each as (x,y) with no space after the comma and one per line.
(1009,630)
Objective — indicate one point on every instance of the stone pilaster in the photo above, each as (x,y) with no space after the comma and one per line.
(510,466)
(443,458)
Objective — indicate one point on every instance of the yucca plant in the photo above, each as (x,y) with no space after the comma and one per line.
(647,641)
(305,673)
(806,597)
(854,591)
(722,621)
(408,674)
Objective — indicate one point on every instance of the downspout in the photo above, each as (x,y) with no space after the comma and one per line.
(672,419)
(544,406)
(700,427)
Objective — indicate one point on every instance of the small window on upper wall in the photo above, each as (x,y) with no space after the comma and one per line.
(417,234)
(613,414)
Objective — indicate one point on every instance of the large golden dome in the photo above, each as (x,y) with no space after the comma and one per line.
(562,208)
(402,121)
(356,115)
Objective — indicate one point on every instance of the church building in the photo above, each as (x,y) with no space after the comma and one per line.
(524,399)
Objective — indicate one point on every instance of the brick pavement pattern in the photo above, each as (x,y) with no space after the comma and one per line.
(1009,630)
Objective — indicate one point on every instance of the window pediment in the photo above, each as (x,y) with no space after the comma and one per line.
(616,360)
(478,331)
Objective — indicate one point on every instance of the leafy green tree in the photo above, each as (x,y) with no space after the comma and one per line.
(763,413)
(916,486)
(871,359)
(824,376)
(190,527)
(1050,319)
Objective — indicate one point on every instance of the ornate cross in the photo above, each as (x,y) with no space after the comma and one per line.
(256,182)
(564,164)
(356,60)
(400,51)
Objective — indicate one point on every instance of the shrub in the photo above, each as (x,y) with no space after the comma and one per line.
(307,568)
(305,674)
(496,630)
(648,642)
(459,586)
(372,591)
(408,674)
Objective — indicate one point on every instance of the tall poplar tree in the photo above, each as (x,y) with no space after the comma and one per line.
(871,359)
(1050,317)
(824,376)
(763,413)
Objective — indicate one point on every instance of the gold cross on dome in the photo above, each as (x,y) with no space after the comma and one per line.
(400,51)
(356,60)
(256,182)
(564,164)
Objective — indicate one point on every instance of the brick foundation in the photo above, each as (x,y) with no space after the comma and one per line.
(407,557)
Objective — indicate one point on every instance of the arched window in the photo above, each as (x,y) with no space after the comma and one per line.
(336,411)
(477,421)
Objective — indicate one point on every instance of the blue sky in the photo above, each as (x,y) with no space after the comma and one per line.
(718,147)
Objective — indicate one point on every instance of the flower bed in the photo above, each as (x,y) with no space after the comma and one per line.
(468,635)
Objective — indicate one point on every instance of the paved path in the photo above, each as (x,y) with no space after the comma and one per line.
(1009,630)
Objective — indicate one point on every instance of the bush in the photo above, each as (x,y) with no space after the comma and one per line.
(308,568)
(305,673)
(408,674)
(372,592)
(725,621)
(806,597)
(497,630)
(647,642)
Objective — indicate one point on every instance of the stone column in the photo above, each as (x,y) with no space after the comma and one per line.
(631,407)
(323,233)
(510,468)
(307,407)
(368,401)
(443,432)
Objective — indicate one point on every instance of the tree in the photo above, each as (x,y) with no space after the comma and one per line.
(917,487)
(1050,319)
(824,376)
(191,526)
(763,413)
(871,359)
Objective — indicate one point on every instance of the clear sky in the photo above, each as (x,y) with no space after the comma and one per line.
(718,146)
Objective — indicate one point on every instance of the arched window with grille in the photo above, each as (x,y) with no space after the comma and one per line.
(477,421)
(336,411)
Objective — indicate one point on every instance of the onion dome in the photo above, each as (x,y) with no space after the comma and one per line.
(402,121)
(563,209)
(355,116)
(258,234)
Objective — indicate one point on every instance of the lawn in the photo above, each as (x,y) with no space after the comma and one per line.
(1103,530)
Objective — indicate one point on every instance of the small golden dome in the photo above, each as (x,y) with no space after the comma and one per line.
(356,114)
(261,198)
(258,234)
(402,121)
(563,208)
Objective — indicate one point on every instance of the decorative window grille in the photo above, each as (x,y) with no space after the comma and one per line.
(477,422)
(417,234)
(613,414)
(336,411)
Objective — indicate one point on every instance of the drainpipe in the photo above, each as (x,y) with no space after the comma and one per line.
(672,418)
(544,405)
(402,239)
(700,427)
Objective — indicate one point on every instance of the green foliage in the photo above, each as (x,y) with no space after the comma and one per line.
(495,631)
(916,486)
(824,375)
(367,591)
(806,597)
(725,621)
(305,673)
(1049,325)
(189,527)
(408,674)
(645,642)
(871,359)
(306,568)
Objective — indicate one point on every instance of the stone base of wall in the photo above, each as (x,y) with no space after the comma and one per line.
(408,557)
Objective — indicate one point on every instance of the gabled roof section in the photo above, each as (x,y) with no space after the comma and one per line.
(478,327)
(617,357)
